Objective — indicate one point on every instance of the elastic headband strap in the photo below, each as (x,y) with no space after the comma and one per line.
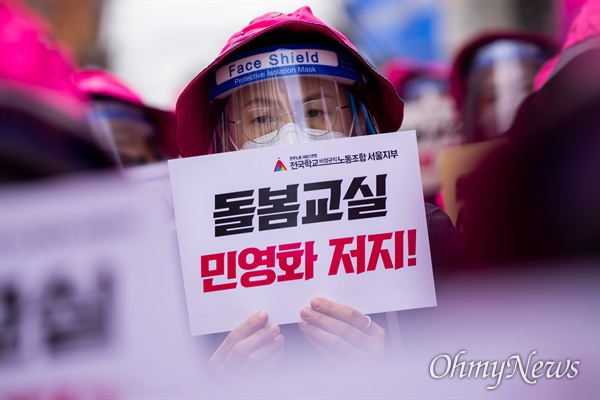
(417,87)
(506,50)
(112,110)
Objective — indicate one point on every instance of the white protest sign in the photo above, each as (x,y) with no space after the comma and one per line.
(269,229)
(91,295)
(153,180)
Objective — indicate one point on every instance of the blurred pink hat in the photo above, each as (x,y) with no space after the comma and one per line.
(98,83)
(401,70)
(34,64)
(44,126)
(196,117)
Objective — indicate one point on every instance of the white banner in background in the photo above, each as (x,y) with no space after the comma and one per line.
(269,229)
(91,297)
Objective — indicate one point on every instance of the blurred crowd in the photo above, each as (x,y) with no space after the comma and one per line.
(58,117)
(508,130)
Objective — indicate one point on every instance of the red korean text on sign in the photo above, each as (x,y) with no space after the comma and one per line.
(257,266)
(357,259)
(290,259)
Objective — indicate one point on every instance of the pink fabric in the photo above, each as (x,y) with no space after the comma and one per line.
(567,13)
(544,73)
(585,25)
(258,24)
(33,63)
(399,71)
(97,82)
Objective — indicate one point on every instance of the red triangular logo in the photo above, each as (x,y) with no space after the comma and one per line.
(279,166)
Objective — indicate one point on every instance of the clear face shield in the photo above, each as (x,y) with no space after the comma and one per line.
(292,104)
(501,77)
(131,132)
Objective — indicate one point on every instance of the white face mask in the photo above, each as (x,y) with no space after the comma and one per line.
(291,134)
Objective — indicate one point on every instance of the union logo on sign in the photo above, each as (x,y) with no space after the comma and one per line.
(279,166)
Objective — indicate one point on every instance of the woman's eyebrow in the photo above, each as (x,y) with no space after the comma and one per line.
(263,101)
(316,95)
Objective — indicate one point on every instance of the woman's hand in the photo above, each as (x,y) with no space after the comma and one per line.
(340,332)
(251,345)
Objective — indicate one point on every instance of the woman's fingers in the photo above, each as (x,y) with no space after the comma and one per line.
(266,356)
(329,345)
(339,328)
(245,348)
(245,329)
(347,314)
(340,332)
(252,339)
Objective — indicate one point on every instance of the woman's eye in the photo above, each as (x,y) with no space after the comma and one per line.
(262,119)
(314,113)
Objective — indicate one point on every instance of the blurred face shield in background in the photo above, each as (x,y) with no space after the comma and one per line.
(128,128)
(501,76)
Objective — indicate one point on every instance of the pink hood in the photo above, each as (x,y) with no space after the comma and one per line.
(585,26)
(196,117)
(35,65)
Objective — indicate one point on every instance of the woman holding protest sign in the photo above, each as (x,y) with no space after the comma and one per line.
(321,89)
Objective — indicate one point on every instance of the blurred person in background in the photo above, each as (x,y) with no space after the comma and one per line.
(536,198)
(491,74)
(142,134)
(429,109)
(43,126)
(329,100)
